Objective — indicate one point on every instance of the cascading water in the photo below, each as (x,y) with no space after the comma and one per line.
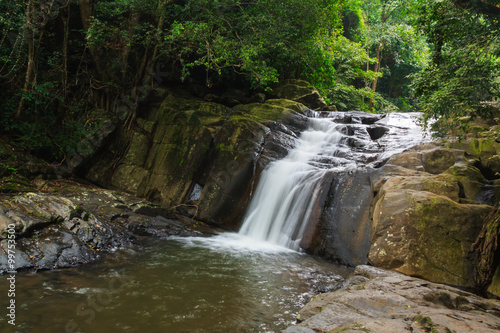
(288,188)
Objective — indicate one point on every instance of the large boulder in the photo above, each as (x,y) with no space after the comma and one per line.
(342,229)
(429,207)
(423,234)
(375,300)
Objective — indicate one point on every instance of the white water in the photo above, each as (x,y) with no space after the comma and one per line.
(281,207)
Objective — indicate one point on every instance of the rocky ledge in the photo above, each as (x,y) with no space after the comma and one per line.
(66,223)
(377,300)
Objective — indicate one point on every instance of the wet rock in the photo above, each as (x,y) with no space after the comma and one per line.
(76,223)
(376,132)
(186,142)
(392,302)
(342,230)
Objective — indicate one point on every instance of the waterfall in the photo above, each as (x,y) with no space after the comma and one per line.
(286,191)
(281,207)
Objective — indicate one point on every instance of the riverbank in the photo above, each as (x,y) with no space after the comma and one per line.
(67,223)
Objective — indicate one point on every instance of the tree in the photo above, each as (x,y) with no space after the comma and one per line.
(399,49)
(463,80)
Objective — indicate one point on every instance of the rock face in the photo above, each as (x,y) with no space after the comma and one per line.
(199,157)
(430,205)
(71,223)
(376,300)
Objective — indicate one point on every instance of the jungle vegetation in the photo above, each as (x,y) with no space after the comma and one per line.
(68,65)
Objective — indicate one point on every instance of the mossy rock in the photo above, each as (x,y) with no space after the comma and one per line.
(426,235)
(15,184)
(147,126)
(289,104)
(483,148)
(494,287)
(129,178)
(269,111)
(193,111)
(300,91)
(493,163)
(470,179)
(444,185)
(138,149)
(438,160)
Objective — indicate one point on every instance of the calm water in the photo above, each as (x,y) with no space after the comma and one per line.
(226,283)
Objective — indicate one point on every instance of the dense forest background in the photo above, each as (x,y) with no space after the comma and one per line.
(68,65)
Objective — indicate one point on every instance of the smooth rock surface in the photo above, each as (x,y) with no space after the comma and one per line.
(376,300)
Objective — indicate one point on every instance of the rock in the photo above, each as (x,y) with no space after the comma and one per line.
(431,194)
(330,108)
(92,142)
(300,91)
(187,143)
(376,132)
(424,234)
(469,178)
(15,184)
(438,160)
(342,232)
(74,224)
(392,302)
(494,287)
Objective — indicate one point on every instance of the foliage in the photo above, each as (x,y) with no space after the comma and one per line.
(67,65)
(245,38)
(400,49)
(463,81)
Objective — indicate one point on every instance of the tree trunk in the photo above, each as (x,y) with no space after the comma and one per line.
(64,78)
(31,54)
(86,8)
(380,47)
(133,20)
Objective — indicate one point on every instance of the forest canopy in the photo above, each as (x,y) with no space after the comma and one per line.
(65,65)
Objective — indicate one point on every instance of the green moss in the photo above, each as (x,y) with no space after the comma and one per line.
(288,104)
(469,172)
(14,184)
(484,147)
(263,112)
(426,323)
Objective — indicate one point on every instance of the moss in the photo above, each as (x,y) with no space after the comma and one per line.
(484,147)
(426,323)
(288,104)
(263,112)
(469,172)
(494,287)
(15,184)
(451,228)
